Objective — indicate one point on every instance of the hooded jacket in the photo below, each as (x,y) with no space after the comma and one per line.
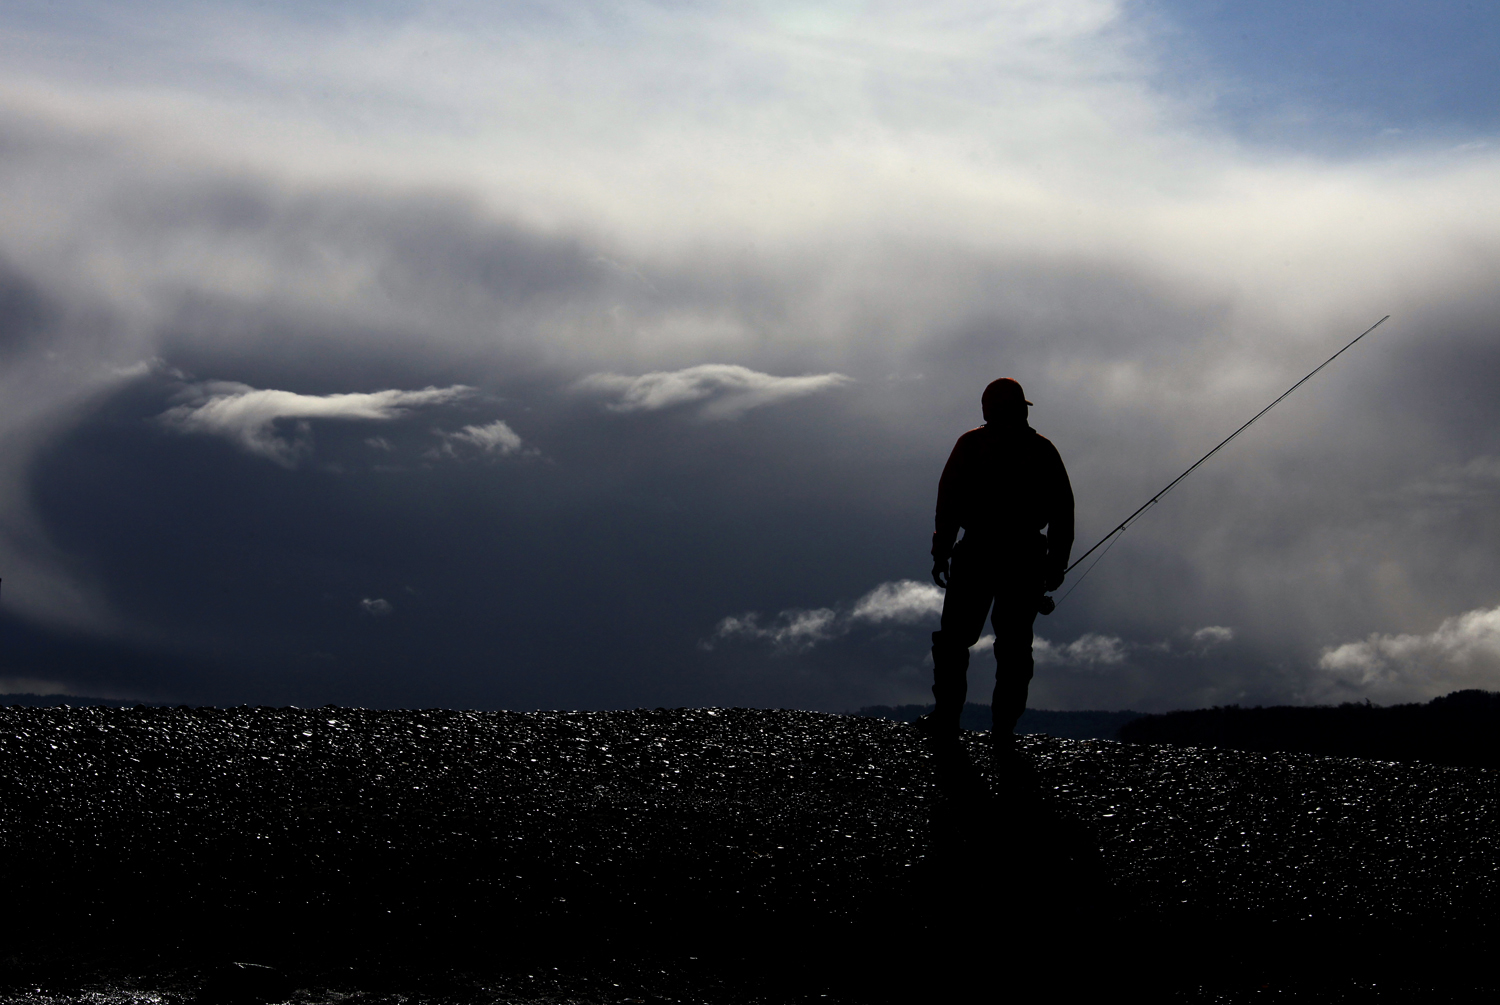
(1003,485)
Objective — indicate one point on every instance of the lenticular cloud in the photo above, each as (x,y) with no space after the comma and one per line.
(247,416)
(726,391)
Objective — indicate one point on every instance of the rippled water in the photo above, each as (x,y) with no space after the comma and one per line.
(303,834)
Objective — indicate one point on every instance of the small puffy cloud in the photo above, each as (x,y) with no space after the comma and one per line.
(140,368)
(376,608)
(247,416)
(495,438)
(791,631)
(727,391)
(1464,652)
(1090,650)
(1212,635)
(905,601)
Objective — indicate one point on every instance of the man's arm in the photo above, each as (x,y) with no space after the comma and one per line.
(948,518)
(1059,520)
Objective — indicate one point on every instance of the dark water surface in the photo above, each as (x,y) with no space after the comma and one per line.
(716,855)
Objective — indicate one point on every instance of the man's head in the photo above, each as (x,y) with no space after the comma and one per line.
(1004,402)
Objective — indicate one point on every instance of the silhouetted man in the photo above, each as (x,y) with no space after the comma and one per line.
(1003,484)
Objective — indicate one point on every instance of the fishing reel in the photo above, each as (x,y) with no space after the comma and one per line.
(1046,605)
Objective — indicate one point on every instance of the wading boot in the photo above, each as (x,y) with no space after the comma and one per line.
(938,725)
(1005,713)
(1002,724)
(950,672)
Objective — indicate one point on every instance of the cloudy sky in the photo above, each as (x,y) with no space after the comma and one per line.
(606,355)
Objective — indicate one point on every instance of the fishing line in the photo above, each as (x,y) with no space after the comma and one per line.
(1120,530)
(1079,581)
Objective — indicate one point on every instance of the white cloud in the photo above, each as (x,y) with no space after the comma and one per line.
(726,390)
(792,630)
(139,368)
(1464,652)
(247,416)
(1213,635)
(496,438)
(1093,650)
(906,601)
(1090,650)
(377,607)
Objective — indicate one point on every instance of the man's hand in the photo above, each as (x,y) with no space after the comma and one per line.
(1053,580)
(940,573)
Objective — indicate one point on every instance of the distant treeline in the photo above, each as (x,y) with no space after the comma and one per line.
(59,700)
(1462,728)
(1068,725)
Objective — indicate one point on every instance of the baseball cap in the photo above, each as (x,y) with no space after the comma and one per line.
(1003,391)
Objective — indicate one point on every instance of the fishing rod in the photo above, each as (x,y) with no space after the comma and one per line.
(1048,605)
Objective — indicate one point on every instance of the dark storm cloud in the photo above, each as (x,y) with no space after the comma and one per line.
(584,576)
(24,314)
(248,278)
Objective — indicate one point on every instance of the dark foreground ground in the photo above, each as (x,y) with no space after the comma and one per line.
(726,856)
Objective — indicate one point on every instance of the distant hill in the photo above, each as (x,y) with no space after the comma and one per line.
(1462,728)
(1067,725)
(59,700)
